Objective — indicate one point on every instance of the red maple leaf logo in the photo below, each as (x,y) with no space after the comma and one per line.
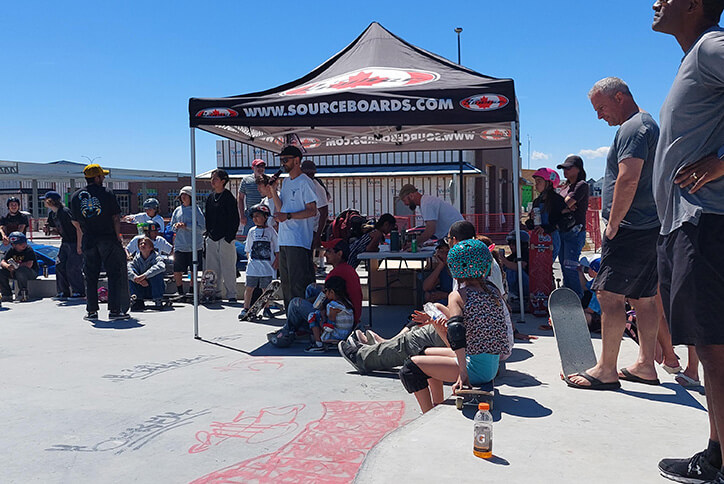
(418,77)
(300,90)
(484,103)
(358,80)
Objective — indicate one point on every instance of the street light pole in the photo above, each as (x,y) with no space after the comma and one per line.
(90,160)
(460,152)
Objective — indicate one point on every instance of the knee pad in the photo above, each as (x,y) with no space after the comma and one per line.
(412,377)
(456,333)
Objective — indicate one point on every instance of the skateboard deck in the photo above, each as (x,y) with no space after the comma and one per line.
(208,286)
(571,331)
(540,272)
(259,304)
(471,397)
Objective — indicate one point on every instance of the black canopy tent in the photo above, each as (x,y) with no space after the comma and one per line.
(379,94)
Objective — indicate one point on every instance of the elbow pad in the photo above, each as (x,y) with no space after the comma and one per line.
(456,333)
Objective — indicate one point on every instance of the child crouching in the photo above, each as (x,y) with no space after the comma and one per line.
(474,330)
(336,322)
(145,276)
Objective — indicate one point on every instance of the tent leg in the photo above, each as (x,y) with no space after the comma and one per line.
(516,201)
(194,230)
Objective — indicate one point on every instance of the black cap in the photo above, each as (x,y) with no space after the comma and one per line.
(291,151)
(571,161)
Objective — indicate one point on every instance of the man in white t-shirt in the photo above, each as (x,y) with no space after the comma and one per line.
(297,203)
(437,213)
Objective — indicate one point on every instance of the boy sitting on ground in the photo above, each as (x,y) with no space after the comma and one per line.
(262,249)
(145,276)
(591,307)
(20,263)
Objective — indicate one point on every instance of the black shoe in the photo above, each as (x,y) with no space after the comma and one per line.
(689,471)
(91,316)
(118,316)
(315,348)
(138,306)
(348,350)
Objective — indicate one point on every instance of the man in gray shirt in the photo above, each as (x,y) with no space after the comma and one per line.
(689,192)
(628,254)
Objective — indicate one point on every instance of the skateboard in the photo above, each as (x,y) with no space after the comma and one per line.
(208,286)
(571,331)
(540,272)
(471,397)
(166,302)
(266,296)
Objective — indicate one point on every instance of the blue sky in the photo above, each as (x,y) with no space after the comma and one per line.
(113,79)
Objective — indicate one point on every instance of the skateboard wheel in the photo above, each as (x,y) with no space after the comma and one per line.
(459,403)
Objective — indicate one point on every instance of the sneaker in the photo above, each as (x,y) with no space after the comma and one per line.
(116,316)
(690,471)
(60,297)
(348,350)
(267,313)
(315,348)
(91,316)
(243,313)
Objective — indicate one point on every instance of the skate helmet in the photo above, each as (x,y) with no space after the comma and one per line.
(150,203)
(282,338)
(260,208)
(469,259)
(17,238)
(13,199)
(524,237)
(548,174)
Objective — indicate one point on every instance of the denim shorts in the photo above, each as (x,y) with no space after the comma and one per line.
(258,281)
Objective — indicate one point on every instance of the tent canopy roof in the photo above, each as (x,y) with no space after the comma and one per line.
(380,93)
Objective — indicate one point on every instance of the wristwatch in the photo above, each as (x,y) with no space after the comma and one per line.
(289,216)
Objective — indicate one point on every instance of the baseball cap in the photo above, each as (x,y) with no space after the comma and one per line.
(291,151)
(572,161)
(260,208)
(186,191)
(52,195)
(17,238)
(94,170)
(154,225)
(406,190)
(337,245)
(308,165)
(258,162)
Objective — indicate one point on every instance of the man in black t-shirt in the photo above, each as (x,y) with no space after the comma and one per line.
(14,221)
(96,211)
(69,267)
(19,263)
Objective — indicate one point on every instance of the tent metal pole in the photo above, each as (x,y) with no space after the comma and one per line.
(462,196)
(516,201)
(194,230)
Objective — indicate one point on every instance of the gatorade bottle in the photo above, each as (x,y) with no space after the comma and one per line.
(413,245)
(483,432)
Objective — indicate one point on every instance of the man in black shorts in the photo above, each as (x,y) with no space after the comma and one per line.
(689,182)
(628,256)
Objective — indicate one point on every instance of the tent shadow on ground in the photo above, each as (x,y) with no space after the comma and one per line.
(122,324)
(678,396)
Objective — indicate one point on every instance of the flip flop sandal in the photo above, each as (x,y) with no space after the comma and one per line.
(624,374)
(686,381)
(595,383)
(673,370)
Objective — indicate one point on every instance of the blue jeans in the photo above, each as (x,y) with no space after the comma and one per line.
(556,243)
(571,246)
(511,275)
(155,289)
(299,309)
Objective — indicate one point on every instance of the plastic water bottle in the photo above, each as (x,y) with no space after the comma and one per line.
(483,432)
(432,311)
(394,240)
(536,217)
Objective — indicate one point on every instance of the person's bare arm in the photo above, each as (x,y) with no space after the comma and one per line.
(79,236)
(431,280)
(241,205)
(629,172)
(310,210)
(430,226)
(323,214)
(374,244)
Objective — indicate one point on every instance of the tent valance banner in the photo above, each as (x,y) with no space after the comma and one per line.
(378,94)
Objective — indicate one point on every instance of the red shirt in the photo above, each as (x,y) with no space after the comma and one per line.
(354,288)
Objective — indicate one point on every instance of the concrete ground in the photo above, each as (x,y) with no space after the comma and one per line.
(144,401)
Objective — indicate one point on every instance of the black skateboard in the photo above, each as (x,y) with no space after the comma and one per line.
(571,331)
(255,310)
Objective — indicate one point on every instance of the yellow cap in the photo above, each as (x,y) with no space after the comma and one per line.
(94,170)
